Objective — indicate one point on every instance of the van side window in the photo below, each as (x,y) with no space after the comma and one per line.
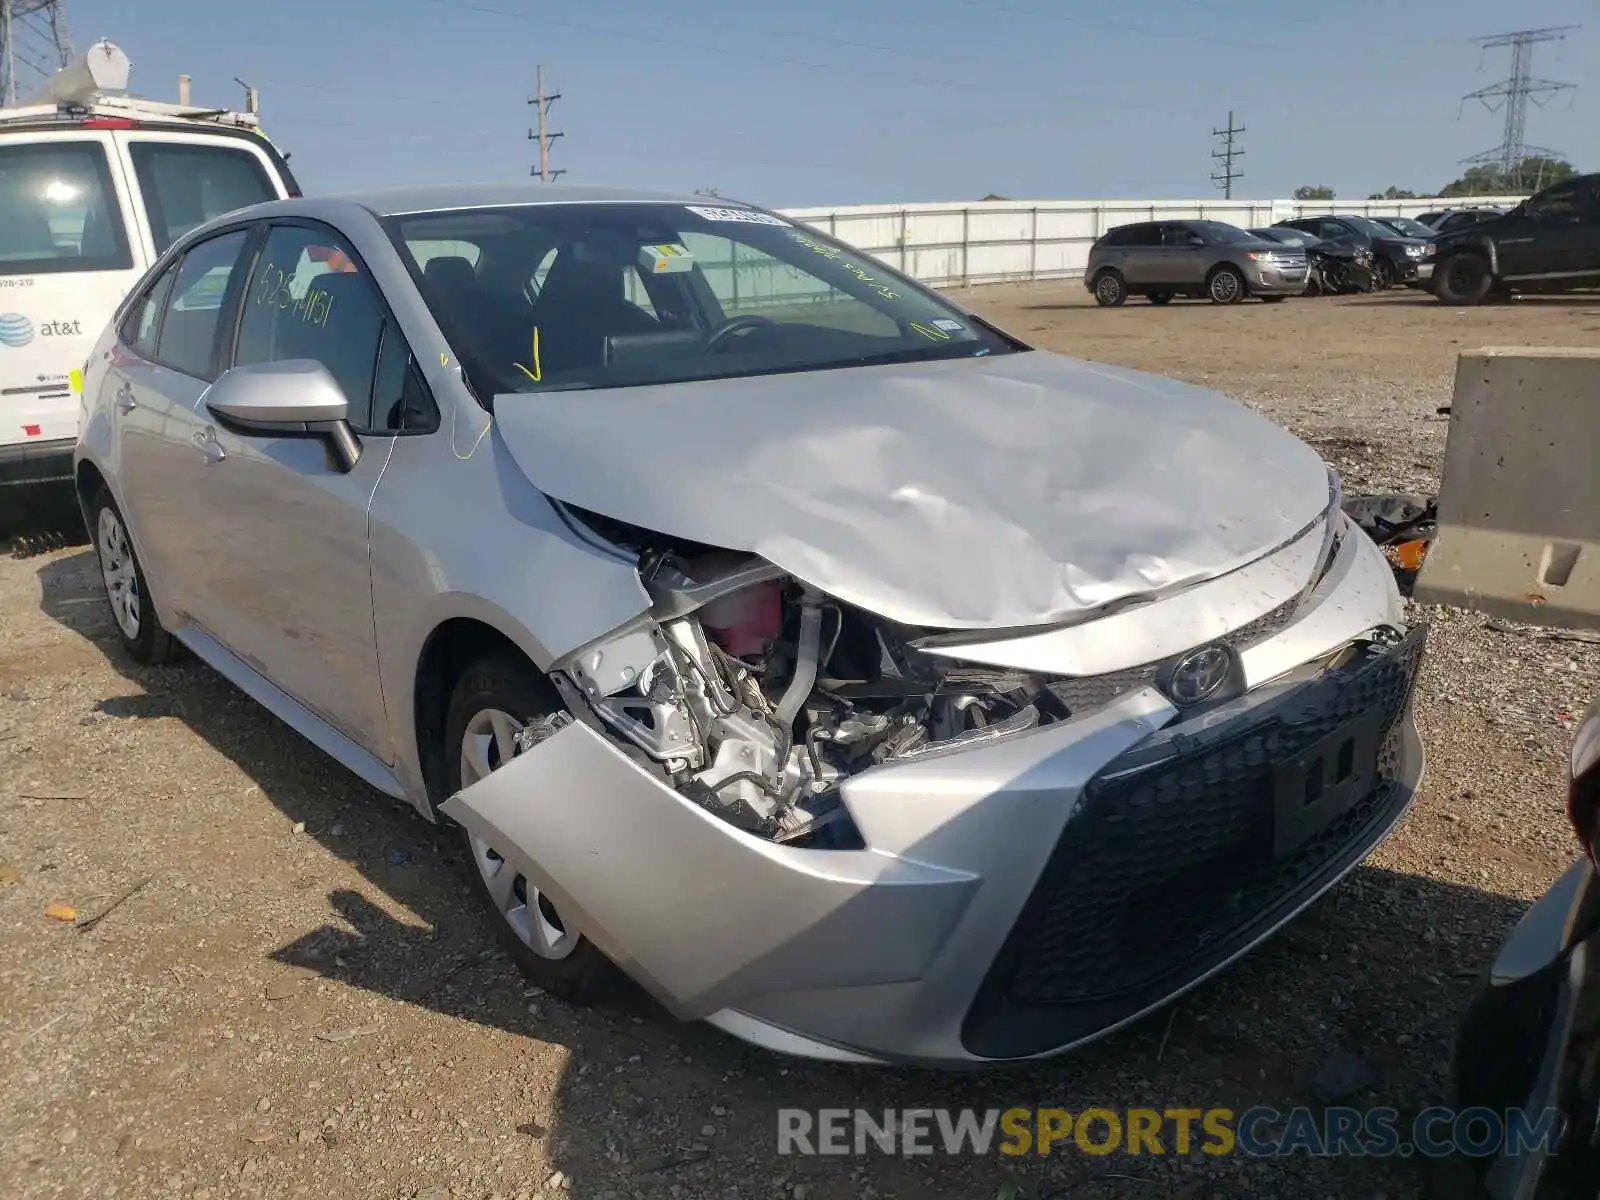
(309,298)
(188,338)
(187,184)
(144,319)
(59,211)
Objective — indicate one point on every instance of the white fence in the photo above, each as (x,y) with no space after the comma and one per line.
(1002,241)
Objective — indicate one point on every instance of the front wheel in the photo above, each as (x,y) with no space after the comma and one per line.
(498,709)
(1382,275)
(1463,278)
(1110,290)
(1226,286)
(138,628)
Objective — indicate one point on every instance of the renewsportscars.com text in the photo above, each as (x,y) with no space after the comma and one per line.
(1255,1132)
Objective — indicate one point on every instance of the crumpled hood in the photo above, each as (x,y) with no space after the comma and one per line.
(988,493)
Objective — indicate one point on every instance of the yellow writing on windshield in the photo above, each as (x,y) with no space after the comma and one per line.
(835,255)
(929,332)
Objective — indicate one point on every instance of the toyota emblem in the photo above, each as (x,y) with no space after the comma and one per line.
(1199,674)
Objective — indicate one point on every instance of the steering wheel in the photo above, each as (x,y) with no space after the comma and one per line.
(732,327)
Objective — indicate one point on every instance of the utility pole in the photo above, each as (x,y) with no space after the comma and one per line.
(1224,179)
(544,138)
(34,45)
(1514,93)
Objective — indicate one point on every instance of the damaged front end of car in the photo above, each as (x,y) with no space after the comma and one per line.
(842,836)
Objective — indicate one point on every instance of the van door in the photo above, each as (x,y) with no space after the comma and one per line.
(184,180)
(67,257)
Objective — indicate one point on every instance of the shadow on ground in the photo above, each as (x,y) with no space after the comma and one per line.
(1379,969)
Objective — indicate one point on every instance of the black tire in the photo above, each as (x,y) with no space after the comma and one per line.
(1272,299)
(1383,274)
(1110,289)
(501,682)
(127,594)
(1159,297)
(1225,285)
(1463,278)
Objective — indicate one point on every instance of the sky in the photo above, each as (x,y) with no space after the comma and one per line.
(870,101)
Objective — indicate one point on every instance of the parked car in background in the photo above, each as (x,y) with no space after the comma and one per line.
(1528,1040)
(1407,227)
(1163,259)
(1333,267)
(1395,259)
(862,680)
(1548,243)
(92,189)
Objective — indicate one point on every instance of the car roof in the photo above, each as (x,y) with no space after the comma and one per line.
(388,202)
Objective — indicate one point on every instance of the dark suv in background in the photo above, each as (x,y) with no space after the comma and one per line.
(1163,259)
(1395,259)
(1548,243)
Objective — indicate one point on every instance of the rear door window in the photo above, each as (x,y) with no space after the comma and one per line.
(59,210)
(188,338)
(187,184)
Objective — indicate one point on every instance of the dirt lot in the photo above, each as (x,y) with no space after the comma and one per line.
(295,998)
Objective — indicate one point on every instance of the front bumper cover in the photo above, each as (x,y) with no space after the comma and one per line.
(957,937)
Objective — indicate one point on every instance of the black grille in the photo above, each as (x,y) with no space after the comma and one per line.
(1085,692)
(1165,871)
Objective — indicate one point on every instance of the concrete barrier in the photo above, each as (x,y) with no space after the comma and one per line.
(1519,506)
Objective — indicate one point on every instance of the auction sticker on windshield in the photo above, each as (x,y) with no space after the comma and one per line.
(747,216)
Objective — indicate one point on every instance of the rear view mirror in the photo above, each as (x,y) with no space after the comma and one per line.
(293,398)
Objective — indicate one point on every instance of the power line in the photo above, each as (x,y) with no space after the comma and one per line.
(544,138)
(33,36)
(1513,94)
(1224,179)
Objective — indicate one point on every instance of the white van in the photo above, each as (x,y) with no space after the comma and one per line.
(94,186)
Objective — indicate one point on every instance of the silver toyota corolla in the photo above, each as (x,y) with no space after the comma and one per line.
(848,673)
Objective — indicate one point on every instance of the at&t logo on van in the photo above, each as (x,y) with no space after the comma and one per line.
(16,330)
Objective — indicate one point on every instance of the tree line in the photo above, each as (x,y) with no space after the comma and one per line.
(1487,179)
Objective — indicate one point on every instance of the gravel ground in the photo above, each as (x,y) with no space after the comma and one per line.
(294,997)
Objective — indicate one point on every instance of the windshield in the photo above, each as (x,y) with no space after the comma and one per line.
(58,210)
(1370,227)
(1218,233)
(1409,227)
(563,296)
(1291,237)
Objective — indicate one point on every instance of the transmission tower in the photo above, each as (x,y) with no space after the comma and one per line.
(34,45)
(1513,94)
(543,103)
(1224,178)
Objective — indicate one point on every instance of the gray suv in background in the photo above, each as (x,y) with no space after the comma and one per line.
(1163,259)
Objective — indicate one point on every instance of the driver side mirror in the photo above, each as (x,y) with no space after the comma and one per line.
(293,398)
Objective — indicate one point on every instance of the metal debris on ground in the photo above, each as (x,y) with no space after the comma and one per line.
(30,545)
(1402,524)
(1544,635)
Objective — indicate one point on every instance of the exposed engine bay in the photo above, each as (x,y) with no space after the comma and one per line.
(755,695)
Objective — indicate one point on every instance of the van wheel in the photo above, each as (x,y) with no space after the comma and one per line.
(1225,286)
(498,708)
(138,627)
(1159,297)
(1110,290)
(1463,278)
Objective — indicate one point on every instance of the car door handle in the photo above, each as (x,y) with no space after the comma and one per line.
(206,439)
(125,401)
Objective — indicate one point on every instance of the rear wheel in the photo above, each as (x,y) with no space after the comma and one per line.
(1225,286)
(1159,297)
(1463,278)
(1110,289)
(139,629)
(498,709)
